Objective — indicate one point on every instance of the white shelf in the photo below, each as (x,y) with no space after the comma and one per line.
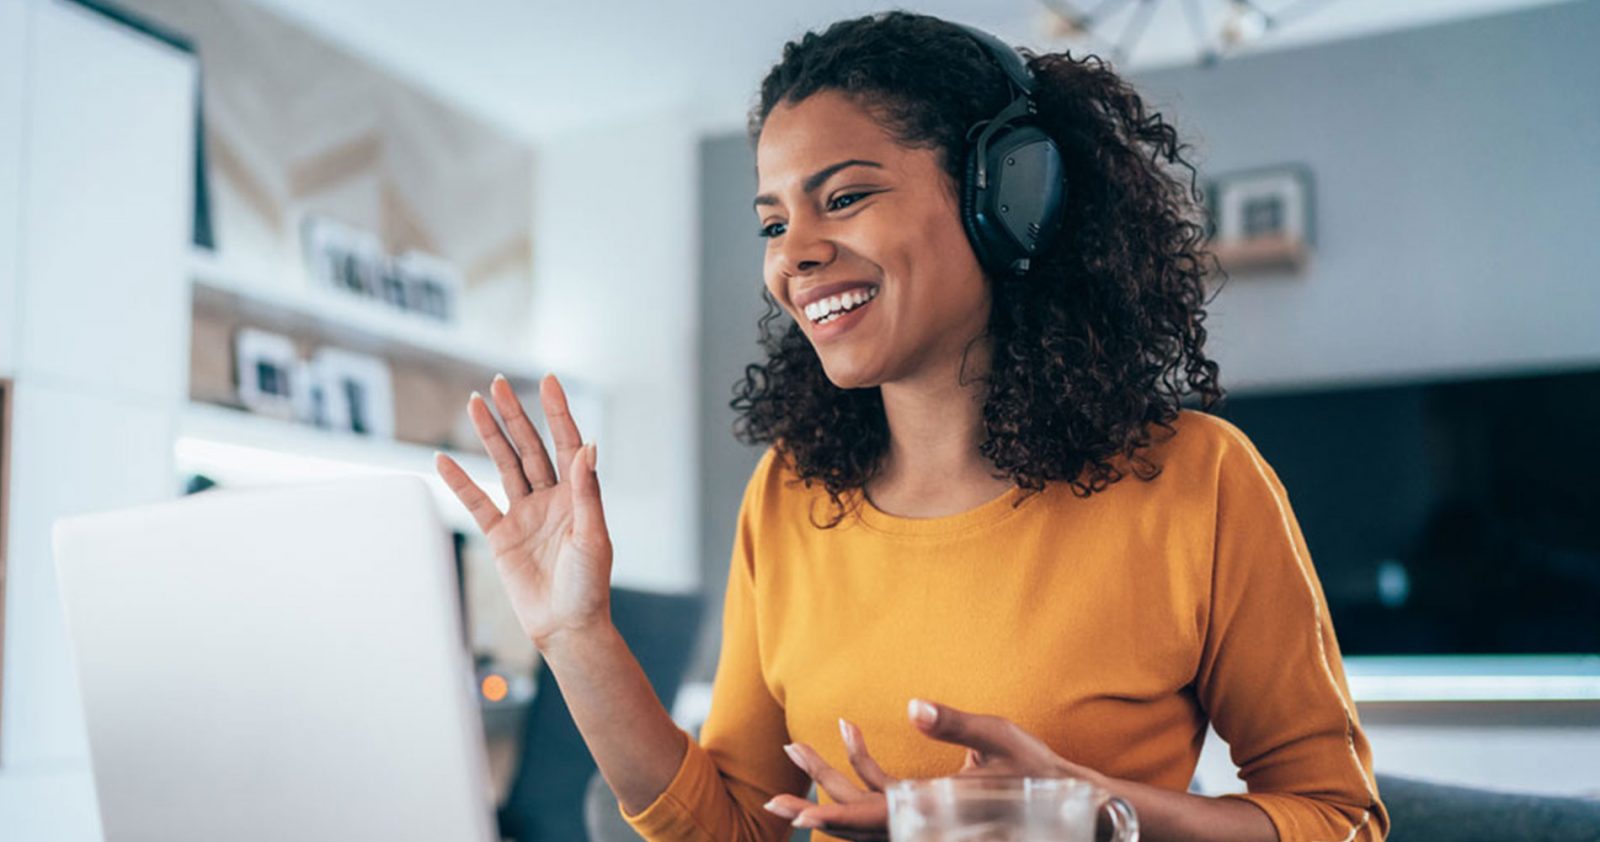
(240,449)
(345,320)
(1473,678)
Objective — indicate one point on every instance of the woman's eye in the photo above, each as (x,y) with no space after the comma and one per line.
(845,201)
(838,203)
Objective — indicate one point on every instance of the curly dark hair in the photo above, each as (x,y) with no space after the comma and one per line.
(1101,339)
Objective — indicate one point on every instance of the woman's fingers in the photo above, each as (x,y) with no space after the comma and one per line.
(866,768)
(530,448)
(500,450)
(588,515)
(787,806)
(867,819)
(991,736)
(482,509)
(834,782)
(563,430)
(864,820)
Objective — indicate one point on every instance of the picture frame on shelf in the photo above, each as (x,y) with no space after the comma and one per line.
(342,257)
(357,391)
(310,399)
(1261,219)
(347,259)
(432,285)
(265,372)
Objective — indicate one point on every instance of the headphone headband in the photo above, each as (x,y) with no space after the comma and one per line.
(1010,60)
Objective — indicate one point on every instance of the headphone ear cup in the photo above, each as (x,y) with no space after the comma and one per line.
(1019,217)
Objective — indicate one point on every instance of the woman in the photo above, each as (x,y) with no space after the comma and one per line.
(941,555)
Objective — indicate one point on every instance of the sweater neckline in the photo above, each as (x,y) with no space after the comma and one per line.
(982,515)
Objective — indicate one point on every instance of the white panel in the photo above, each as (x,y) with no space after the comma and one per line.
(72,453)
(13,51)
(1533,757)
(110,151)
(619,313)
(53,805)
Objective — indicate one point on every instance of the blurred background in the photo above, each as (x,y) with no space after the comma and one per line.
(246,242)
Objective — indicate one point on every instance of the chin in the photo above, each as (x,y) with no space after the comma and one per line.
(850,374)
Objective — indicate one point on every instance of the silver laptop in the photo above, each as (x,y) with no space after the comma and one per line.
(276,664)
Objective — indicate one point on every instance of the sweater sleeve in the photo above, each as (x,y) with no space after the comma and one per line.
(1270,675)
(738,763)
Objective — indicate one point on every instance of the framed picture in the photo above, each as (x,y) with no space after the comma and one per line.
(432,285)
(310,401)
(1261,220)
(342,257)
(356,392)
(265,372)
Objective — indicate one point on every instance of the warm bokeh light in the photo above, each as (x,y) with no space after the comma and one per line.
(494,687)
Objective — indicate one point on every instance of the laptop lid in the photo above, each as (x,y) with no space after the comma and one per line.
(273,664)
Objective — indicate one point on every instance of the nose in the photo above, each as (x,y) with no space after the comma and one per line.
(804,248)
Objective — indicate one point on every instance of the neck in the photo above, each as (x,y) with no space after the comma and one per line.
(935,427)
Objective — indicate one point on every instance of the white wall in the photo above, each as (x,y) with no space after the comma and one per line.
(615,253)
(1454,207)
(98,305)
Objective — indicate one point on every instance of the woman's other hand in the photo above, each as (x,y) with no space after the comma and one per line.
(550,545)
(995,746)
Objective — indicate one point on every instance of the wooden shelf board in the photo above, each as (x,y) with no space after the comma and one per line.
(237,448)
(346,321)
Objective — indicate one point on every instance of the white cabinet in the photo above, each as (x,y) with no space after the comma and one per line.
(73,452)
(96,184)
(109,164)
(13,50)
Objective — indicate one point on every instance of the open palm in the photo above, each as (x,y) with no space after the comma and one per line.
(550,545)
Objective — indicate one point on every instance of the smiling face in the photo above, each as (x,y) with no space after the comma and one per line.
(865,247)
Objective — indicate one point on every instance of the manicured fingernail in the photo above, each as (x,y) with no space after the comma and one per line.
(776,809)
(499,376)
(591,455)
(804,820)
(844,732)
(794,754)
(475,394)
(922,713)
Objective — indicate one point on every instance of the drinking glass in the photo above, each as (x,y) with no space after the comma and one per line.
(1005,809)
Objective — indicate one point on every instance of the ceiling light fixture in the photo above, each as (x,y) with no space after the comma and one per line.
(1111,27)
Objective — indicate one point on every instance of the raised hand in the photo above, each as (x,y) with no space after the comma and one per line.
(550,545)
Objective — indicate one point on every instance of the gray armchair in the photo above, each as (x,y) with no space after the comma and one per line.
(1420,811)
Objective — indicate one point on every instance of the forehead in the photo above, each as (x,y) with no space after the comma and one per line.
(800,138)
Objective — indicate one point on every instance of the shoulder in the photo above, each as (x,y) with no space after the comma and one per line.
(773,482)
(1230,466)
(1207,451)
(1196,438)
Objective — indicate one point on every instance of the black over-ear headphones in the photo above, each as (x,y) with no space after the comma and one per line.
(1013,196)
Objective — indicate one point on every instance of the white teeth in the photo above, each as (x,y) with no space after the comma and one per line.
(832,307)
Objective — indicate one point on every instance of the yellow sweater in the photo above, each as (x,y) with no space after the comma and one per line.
(1113,627)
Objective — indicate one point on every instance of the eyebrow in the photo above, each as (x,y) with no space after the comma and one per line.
(816,179)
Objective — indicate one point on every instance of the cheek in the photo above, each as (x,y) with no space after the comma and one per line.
(769,279)
(949,284)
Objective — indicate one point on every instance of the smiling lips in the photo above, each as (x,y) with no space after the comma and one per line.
(825,310)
